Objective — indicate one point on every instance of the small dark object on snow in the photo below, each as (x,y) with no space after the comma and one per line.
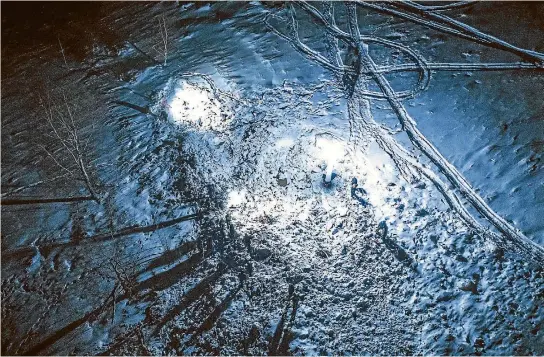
(351,60)
(282,182)
(78,233)
(398,252)
(422,213)
(261,253)
(421,185)
(472,287)
(461,258)
(357,191)
(382,229)
(247,242)
(326,183)
(322,253)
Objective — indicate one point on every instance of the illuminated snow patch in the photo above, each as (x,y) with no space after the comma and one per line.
(193,105)
(285,143)
(374,171)
(379,170)
(331,151)
(236,198)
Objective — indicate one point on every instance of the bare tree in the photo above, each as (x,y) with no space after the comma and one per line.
(62,52)
(71,156)
(162,48)
(356,68)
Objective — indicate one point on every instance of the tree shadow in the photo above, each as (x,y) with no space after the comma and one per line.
(192,295)
(212,318)
(398,252)
(279,345)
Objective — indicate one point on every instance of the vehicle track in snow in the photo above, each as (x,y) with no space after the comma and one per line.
(508,236)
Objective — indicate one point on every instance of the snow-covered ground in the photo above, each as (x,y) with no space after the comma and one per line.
(241,135)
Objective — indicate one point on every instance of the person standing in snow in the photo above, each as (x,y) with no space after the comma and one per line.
(327,182)
(357,192)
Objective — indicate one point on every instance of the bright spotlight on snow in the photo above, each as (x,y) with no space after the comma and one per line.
(236,198)
(285,143)
(331,151)
(193,105)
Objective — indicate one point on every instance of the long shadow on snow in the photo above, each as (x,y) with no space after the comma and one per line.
(158,282)
(398,252)
(279,345)
(212,318)
(45,249)
(190,297)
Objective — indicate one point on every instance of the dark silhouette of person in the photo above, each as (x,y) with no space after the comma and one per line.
(358,192)
(326,183)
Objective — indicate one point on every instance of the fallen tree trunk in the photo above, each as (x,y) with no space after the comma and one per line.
(418,14)
(150,58)
(97,238)
(143,110)
(32,201)
(458,67)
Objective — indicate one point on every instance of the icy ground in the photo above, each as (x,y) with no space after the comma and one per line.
(274,262)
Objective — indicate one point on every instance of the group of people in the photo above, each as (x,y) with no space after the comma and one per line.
(356,191)
(357,194)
